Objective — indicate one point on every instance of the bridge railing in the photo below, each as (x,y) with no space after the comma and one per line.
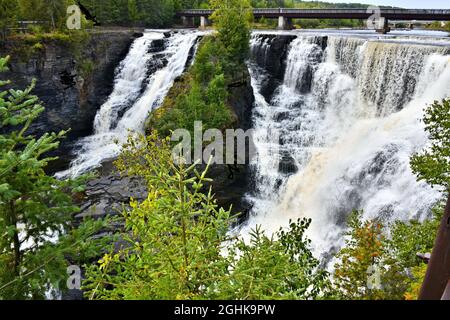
(198,12)
(272,11)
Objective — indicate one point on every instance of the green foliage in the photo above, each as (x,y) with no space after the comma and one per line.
(152,13)
(34,208)
(199,104)
(208,61)
(412,237)
(310,23)
(220,59)
(393,253)
(364,270)
(132,11)
(52,13)
(407,239)
(418,274)
(86,67)
(26,45)
(200,95)
(232,21)
(433,164)
(437,25)
(8,15)
(363,250)
(175,240)
(266,268)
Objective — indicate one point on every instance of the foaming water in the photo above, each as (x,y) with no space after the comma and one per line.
(143,79)
(348,120)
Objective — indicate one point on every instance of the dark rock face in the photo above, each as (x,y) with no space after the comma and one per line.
(192,52)
(270,55)
(287,164)
(110,193)
(72,86)
(157,45)
(270,52)
(305,79)
(241,100)
(231,182)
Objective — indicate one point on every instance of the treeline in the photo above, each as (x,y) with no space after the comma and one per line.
(52,14)
(152,13)
(438,26)
(46,15)
(312,23)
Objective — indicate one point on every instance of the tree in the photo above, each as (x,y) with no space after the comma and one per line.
(132,11)
(8,15)
(411,237)
(364,269)
(56,9)
(381,264)
(35,208)
(232,20)
(32,10)
(398,253)
(178,244)
(433,164)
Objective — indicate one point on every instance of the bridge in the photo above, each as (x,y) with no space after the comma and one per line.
(285,16)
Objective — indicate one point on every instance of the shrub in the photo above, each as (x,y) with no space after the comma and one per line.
(177,243)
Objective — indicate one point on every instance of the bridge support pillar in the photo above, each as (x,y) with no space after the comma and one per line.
(383,26)
(284,23)
(188,22)
(204,22)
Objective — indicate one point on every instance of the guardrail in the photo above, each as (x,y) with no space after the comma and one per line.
(415,14)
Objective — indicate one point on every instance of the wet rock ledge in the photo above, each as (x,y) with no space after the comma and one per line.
(110,193)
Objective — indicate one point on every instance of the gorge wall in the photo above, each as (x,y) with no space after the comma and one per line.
(73,80)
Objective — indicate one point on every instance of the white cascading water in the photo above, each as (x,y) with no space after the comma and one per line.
(135,94)
(349,137)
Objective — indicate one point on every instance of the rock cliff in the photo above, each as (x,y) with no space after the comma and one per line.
(72,81)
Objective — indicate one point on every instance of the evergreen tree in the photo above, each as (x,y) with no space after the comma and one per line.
(56,10)
(35,208)
(8,16)
(132,11)
(232,21)
(175,240)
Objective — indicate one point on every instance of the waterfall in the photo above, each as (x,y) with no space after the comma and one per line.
(143,79)
(348,117)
